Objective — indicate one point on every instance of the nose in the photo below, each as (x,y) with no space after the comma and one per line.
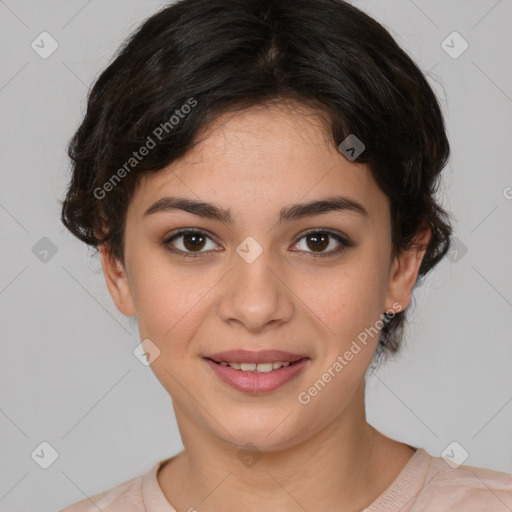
(255,294)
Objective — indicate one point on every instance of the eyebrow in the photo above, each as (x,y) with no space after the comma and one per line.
(288,213)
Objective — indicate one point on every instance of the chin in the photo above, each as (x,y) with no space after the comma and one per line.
(265,432)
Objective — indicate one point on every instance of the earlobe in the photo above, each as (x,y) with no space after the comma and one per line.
(404,271)
(117,281)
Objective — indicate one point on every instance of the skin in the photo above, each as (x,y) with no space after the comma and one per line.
(317,456)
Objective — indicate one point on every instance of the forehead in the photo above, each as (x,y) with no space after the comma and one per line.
(264,156)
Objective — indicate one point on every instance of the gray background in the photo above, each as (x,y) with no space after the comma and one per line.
(68,375)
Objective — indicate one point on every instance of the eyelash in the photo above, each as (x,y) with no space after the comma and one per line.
(344,243)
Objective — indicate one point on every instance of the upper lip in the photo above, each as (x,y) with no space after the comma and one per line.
(251,356)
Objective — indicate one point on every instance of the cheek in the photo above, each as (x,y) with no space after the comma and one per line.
(170,307)
(345,301)
(165,303)
(349,305)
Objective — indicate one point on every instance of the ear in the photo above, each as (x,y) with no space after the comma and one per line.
(404,271)
(117,281)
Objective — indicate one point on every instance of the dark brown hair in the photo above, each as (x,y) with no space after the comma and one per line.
(197,59)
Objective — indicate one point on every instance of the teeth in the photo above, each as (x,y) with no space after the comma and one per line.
(264,367)
(259,367)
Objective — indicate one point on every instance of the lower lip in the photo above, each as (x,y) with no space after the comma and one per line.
(255,382)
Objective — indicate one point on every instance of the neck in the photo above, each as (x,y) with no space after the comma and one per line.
(344,466)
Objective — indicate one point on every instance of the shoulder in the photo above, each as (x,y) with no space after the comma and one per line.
(125,497)
(465,488)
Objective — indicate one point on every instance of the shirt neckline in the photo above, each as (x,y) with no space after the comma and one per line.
(153,497)
(402,490)
(407,485)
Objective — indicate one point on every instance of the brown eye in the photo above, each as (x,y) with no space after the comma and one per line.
(316,243)
(193,241)
(187,242)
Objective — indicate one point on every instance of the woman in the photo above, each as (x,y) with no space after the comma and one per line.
(259,177)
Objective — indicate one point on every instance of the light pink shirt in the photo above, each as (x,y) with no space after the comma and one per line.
(425,483)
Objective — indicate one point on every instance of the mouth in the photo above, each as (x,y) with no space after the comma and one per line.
(256,372)
(262,361)
(257,367)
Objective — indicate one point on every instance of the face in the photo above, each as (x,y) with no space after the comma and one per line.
(260,272)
